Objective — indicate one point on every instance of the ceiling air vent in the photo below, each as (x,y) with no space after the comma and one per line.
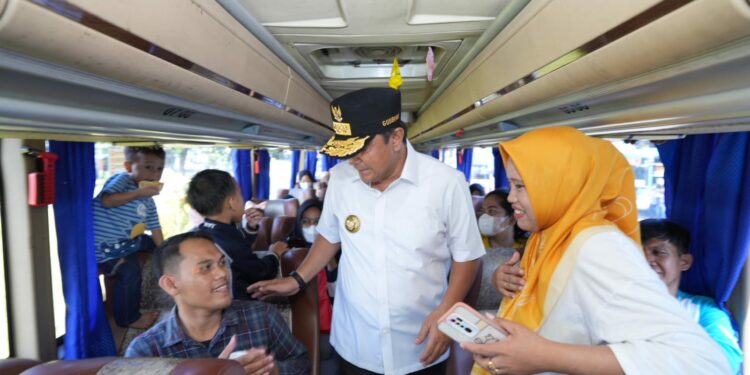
(357,62)
(573,108)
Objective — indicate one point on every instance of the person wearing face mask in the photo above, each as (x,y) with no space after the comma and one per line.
(497,226)
(305,179)
(303,235)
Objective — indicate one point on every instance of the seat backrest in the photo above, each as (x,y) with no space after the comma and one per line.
(282,227)
(305,313)
(461,361)
(282,207)
(262,240)
(15,366)
(118,365)
(282,193)
(308,194)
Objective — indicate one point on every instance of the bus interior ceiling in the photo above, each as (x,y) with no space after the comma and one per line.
(260,73)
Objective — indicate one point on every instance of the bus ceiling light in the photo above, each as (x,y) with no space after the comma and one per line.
(505,126)
(252,129)
(654,137)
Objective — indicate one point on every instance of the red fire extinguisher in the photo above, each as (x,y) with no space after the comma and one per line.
(42,182)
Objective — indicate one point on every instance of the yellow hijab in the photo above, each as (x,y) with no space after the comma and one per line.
(574,182)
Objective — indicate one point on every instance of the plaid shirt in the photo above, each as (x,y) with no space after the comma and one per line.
(255,324)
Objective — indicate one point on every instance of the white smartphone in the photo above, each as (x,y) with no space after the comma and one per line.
(462,323)
(237,354)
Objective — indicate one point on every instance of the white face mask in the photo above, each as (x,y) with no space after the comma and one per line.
(309,233)
(305,185)
(491,225)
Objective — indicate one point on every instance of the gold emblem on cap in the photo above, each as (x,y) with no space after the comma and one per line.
(344,147)
(342,128)
(352,224)
(336,111)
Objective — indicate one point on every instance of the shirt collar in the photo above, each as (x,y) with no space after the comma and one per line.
(175,334)
(411,167)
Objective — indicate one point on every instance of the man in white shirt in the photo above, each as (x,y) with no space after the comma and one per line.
(403,221)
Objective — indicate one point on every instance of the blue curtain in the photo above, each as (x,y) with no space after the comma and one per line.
(295,168)
(243,172)
(707,190)
(264,179)
(435,154)
(464,162)
(311,161)
(87,331)
(501,180)
(329,162)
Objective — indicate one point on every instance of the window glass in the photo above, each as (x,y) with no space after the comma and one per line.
(280,171)
(448,156)
(4,337)
(181,163)
(649,177)
(58,299)
(483,168)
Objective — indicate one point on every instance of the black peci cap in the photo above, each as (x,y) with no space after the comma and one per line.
(359,115)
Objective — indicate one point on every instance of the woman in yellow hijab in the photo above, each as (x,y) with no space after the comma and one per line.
(590,304)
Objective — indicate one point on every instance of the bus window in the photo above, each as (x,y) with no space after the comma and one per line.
(280,171)
(483,168)
(4,337)
(448,156)
(181,163)
(58,298)
(649,177)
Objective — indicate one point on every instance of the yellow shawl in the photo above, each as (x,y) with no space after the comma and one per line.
(574,182)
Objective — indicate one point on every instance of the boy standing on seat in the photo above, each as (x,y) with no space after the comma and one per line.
(123,211)
(217,197)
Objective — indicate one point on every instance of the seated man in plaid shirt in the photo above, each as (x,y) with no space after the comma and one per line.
(206,322)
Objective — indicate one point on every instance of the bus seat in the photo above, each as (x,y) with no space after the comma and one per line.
(282,207)
(262,240)
(118,365)
(477,201)
(308,194)
(15,366)
(282,227)
(305,313)
(460,361)
(282,193)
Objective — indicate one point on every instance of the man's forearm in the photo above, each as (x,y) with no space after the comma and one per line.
(319,255)
(461,278)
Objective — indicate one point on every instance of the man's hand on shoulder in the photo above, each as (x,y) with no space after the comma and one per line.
(285,286)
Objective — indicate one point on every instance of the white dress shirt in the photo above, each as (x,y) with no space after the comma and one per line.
(394,270)
(613,297)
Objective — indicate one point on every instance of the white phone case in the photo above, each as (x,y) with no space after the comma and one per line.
(462,323)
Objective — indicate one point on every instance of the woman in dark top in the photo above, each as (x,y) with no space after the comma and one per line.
(303,235)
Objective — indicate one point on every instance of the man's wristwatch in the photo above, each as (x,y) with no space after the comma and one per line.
(298,278)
